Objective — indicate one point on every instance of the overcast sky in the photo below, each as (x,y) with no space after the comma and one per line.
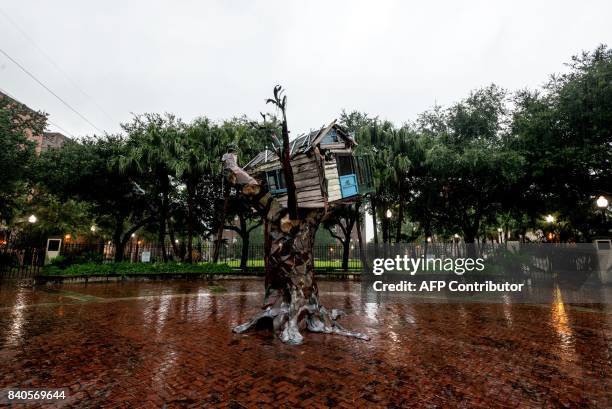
(222,58)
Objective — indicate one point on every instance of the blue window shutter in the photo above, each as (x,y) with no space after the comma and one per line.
(348,185)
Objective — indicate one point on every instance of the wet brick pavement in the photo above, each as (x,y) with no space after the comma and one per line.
(170,343)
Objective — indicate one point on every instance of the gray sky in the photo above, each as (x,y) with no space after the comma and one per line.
(222,58)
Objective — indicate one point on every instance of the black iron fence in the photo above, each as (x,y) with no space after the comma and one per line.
(20,262)
(27,262)
(327,257)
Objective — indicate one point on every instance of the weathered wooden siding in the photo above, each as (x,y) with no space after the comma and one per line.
(269,166)
(333,181)
(307,180)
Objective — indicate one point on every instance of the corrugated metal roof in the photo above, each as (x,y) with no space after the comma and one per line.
(300,144)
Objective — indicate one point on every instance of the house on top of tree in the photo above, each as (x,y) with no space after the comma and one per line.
(325,169)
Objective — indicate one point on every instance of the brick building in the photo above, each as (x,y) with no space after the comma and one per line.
(43,141)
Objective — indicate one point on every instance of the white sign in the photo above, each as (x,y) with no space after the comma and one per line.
(53,249)
(145,257)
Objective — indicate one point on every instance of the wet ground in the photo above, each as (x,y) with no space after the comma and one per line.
(148,344)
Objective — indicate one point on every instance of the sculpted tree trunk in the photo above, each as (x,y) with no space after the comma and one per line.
(291,300)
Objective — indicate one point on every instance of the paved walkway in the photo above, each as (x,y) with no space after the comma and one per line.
(150,344)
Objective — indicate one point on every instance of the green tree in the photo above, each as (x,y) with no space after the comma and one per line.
(153,152)
(16,152)
(469,165)
(88,171)
(340,225)
(198,162)
(565,134)
(374,141)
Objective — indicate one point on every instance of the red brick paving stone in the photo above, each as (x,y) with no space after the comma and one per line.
(178,350)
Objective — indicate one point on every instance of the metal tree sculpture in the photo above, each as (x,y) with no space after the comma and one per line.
(291,300)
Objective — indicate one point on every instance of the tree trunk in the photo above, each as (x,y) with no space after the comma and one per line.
(385,230)
(163,212)
(119,247)
(267,247)
(374,220)
(161,239)
(244,255)
(190,221)
(400,219)
(175,247)
(119,250)
(346,248)
(291,301)
(362,251)
(244,236)
(469,236)
(215,256)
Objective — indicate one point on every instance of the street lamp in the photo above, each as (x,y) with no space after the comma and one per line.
(389,214)
(550,219)
(93,228)
(602,203)
(32,219)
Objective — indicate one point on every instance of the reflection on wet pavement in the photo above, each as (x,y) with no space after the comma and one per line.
(150,343)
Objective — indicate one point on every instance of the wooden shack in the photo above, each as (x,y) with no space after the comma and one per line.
(325,169)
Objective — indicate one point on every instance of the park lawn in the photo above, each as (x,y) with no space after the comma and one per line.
(319,264)
(127,268)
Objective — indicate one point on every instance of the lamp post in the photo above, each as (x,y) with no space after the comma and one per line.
(389,214)
(456,242)
(31,220)
(550,219)
(602,203)
(132,239)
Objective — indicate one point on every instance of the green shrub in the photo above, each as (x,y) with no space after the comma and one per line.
(69,259)
(126,267)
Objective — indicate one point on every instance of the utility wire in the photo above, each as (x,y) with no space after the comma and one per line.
(49,90)
(52,123)
(52,61)
(61,129)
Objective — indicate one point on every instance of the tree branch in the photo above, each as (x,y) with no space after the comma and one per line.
(256,225)
(334,235)
(135,227)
